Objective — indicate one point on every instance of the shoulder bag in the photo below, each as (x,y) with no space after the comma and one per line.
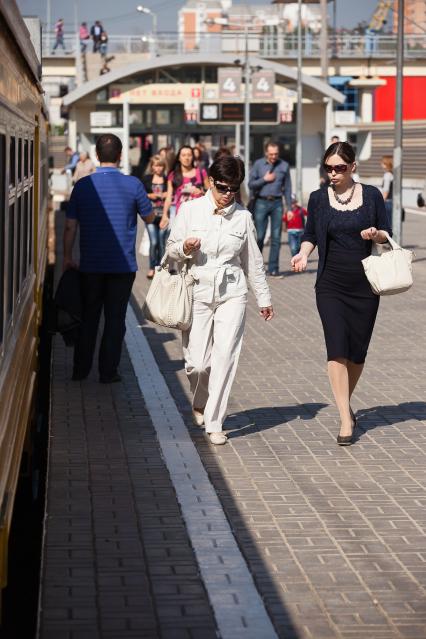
(391,272)
(169,298)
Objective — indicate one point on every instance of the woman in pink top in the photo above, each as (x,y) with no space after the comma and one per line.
(185,182)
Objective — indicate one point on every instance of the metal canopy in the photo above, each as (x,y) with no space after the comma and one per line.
(311,85)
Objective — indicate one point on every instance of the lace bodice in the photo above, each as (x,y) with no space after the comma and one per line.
(347,222)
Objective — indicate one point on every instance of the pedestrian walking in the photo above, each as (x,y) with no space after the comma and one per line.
(155,183)
(295,224)
(344,221)
(72,157)
(184,183)
(83,167)
(84,37)
(96,31)
(269,181)
(104,206)
(59,35)
(387,185)
(103,45)
(219,236)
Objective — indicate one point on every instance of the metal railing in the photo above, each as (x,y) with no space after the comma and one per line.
(262,44)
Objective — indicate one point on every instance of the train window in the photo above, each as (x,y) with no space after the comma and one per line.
(11,258)
(30,226)
(31,157)
(25,210)
(18,226)
(26,158)
(20,160)
(2,223)
(12,160)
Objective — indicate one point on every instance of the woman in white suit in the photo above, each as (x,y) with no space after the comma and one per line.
(219,236)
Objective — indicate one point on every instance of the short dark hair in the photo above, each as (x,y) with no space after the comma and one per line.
(271,143)
(108,148)
(227,169)
(344,149)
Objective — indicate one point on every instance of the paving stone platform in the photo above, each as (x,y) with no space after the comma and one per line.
(334,538)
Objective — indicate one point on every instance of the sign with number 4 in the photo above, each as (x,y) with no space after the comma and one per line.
(263,83)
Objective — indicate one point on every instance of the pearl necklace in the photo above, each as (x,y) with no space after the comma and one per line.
(348,199)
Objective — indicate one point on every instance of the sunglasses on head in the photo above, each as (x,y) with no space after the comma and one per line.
(224,188)
(337,168)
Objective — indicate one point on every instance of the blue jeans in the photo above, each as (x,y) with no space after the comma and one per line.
(294,237)
(157,242)
(59,42)
(273,209)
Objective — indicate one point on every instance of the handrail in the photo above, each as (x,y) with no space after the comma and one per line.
(269,45)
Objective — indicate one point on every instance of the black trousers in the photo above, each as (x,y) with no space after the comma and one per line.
(109,292)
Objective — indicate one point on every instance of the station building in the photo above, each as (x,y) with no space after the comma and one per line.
(187,98)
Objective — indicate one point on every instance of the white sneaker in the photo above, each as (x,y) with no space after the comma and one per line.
(218,438)
(197,417)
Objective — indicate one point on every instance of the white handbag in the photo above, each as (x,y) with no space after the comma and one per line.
(391,272)
(169,298)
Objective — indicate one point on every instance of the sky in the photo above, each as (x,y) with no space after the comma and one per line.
(122,17)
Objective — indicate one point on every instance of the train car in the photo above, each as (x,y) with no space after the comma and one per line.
(23,249)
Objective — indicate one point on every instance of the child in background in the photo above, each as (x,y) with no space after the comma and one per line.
(295,224)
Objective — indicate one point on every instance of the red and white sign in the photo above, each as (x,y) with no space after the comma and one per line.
(196,93)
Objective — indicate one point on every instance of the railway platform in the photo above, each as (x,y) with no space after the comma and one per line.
(150,531)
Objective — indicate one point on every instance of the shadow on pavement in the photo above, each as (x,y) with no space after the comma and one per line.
(265,582)
(391,414)
(260,419)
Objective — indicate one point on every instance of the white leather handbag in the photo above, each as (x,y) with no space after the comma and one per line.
(391,272)
(169,298)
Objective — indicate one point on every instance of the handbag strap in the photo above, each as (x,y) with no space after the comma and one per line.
(166,259)
(392,242)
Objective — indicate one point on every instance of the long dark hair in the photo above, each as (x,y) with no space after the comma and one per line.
(343,149)
(177,167)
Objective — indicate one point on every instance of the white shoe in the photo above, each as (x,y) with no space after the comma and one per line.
(197,417)
(218,438)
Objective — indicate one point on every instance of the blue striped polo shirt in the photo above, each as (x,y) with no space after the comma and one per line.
(106,205)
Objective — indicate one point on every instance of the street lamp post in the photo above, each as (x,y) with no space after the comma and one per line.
(246,108)
(397,151)
(153,15)
(299,113)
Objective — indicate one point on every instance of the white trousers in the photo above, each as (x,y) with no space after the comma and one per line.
(211,349)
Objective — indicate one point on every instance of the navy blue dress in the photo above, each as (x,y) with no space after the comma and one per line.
(345,301)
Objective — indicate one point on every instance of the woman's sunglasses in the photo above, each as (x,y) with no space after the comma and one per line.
(337,168)
(224,188)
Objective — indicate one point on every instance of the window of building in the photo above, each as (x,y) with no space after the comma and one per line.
(162,116)
(341,83)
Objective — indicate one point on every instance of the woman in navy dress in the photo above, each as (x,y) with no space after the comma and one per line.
(344,220)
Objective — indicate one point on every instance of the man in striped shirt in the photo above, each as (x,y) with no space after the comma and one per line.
(104,206)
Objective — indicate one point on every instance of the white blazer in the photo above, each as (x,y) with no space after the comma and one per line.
(228,254)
